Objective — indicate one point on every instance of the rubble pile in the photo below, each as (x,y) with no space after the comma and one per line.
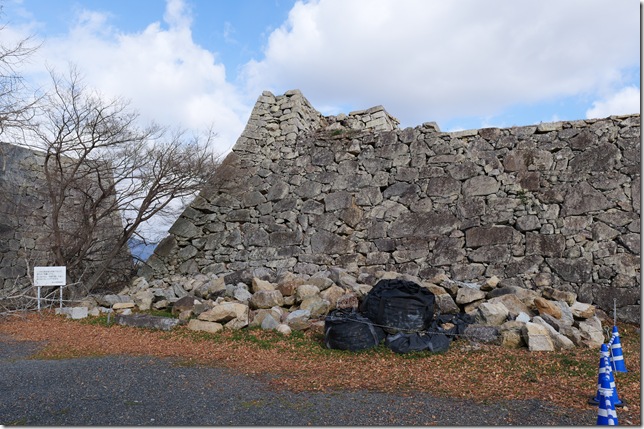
(514,317)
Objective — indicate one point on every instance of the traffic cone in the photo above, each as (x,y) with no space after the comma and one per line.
(617,357)
(606,414)
(605,371)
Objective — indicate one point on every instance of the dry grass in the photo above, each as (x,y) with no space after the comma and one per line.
(301,362)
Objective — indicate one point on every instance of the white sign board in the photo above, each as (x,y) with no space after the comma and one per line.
(50,276)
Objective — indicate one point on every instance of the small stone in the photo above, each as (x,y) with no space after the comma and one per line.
(490,284)
(283,329)
(122,305)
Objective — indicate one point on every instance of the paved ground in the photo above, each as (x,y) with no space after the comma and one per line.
(130,391)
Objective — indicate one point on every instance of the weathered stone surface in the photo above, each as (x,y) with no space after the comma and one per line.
(582,310)
(224,312)
(239,322)
(298,320)
(185,303)
(305,291)
(591,332)
(511,337)
(568,192)
(211,289)
(559,295)
(444,300)
(348,300)
(242,294)
(332,294)
(269,323)
(110,300)
(493,314)
(184,228)
(467,295)
(559,341)
(328,243)
(315,305)
(537,337)
(122,305)
(266,299)
(513,305)
(583,198)
(259,284)
(487,236)
(480,185)
(283,329)
(143,299)
(257,317)
(547,307)
(423,225)
(204,326)
(483,334)
(73,312)
(577,270)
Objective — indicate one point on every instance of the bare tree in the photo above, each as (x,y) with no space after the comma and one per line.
(16,107)
(105,174)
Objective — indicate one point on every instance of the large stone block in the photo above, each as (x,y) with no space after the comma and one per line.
(488,235)
(328,243)
(583,198)
(480,185)
(423,225)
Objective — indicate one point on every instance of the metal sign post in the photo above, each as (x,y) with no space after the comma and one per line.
(50,276)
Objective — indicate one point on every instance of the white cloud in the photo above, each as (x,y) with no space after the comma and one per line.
(168,78)
(624,102)
(430,59)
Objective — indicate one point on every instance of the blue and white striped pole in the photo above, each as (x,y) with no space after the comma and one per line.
(616,353)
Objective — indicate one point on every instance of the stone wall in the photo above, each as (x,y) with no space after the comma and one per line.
(25,219)
(549,205)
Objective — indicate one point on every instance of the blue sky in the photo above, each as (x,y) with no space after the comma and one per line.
(463,63)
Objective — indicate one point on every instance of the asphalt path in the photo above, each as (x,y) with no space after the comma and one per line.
(132,391)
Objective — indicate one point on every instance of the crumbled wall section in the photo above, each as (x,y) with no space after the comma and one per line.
(554,204)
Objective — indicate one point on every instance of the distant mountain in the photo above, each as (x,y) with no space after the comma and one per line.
(141,250)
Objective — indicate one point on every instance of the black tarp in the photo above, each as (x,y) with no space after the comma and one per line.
(417,342)
(349,330)
(399,306)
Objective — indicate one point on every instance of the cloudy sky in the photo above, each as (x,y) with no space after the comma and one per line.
(464,63)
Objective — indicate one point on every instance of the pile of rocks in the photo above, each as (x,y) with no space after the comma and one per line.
(510,316)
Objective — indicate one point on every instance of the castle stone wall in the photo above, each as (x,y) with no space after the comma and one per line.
(25,220)
(553,204)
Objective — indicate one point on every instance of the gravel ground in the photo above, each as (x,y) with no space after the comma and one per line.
(129,391)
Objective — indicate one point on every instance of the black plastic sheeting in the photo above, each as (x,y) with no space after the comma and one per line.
(399,305)
(417,342)
(350,330)
(400,308)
